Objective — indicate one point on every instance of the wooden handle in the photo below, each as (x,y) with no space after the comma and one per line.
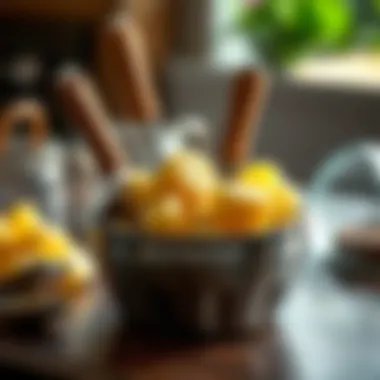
(246,104)
(124,51)
(83,107)
(29,110)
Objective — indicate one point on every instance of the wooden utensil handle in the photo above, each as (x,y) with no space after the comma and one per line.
(246,104)
(122,39)
(29,110)
(83,107)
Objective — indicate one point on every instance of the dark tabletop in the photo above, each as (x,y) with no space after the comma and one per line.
(224,360)
(324,331)
(85,350)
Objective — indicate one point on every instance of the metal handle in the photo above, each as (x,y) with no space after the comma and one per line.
(29,110)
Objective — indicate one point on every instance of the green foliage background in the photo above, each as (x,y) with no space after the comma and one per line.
(285,30)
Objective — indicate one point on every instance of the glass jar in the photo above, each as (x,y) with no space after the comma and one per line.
(31,167)
(84,186)
(345,208)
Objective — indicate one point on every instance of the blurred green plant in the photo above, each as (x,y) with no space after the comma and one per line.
(283,31)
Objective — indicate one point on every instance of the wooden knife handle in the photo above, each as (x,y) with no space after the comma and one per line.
(83,107)
(247,100)
(122,40)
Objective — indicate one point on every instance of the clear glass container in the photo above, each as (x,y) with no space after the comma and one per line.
(60,178)
(84,186)
(344,194)
(32,166)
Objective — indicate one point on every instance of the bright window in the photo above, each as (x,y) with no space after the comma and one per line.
(229,47)
(342,65)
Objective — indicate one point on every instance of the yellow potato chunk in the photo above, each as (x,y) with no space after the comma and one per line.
(166,217)
(25,222)
(192,177)
(138,189)
(287,204)
(285,200)
(24,217)
(79,275)
(25,240)
(14,258)
(242,209)
(53,245)
(260,173)
(9,240)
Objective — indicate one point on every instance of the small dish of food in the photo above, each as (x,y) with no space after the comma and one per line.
(41,267)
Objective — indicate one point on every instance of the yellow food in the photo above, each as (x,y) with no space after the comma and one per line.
(24,218)
(262,173)
(193,178)
(242,209)
(79,275)
(187,195)
(138,191)
(166,216)
(286,201)
(52,245)
(9,239)
(25,222)
(27,240)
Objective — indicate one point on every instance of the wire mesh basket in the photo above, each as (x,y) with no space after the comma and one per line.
(201,286)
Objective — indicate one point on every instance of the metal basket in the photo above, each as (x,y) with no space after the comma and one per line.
(206,286)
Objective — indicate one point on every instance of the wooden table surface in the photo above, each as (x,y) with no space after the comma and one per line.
(229,360)
(333,332)
(85,350)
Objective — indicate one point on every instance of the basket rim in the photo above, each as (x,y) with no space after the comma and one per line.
(215,238)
